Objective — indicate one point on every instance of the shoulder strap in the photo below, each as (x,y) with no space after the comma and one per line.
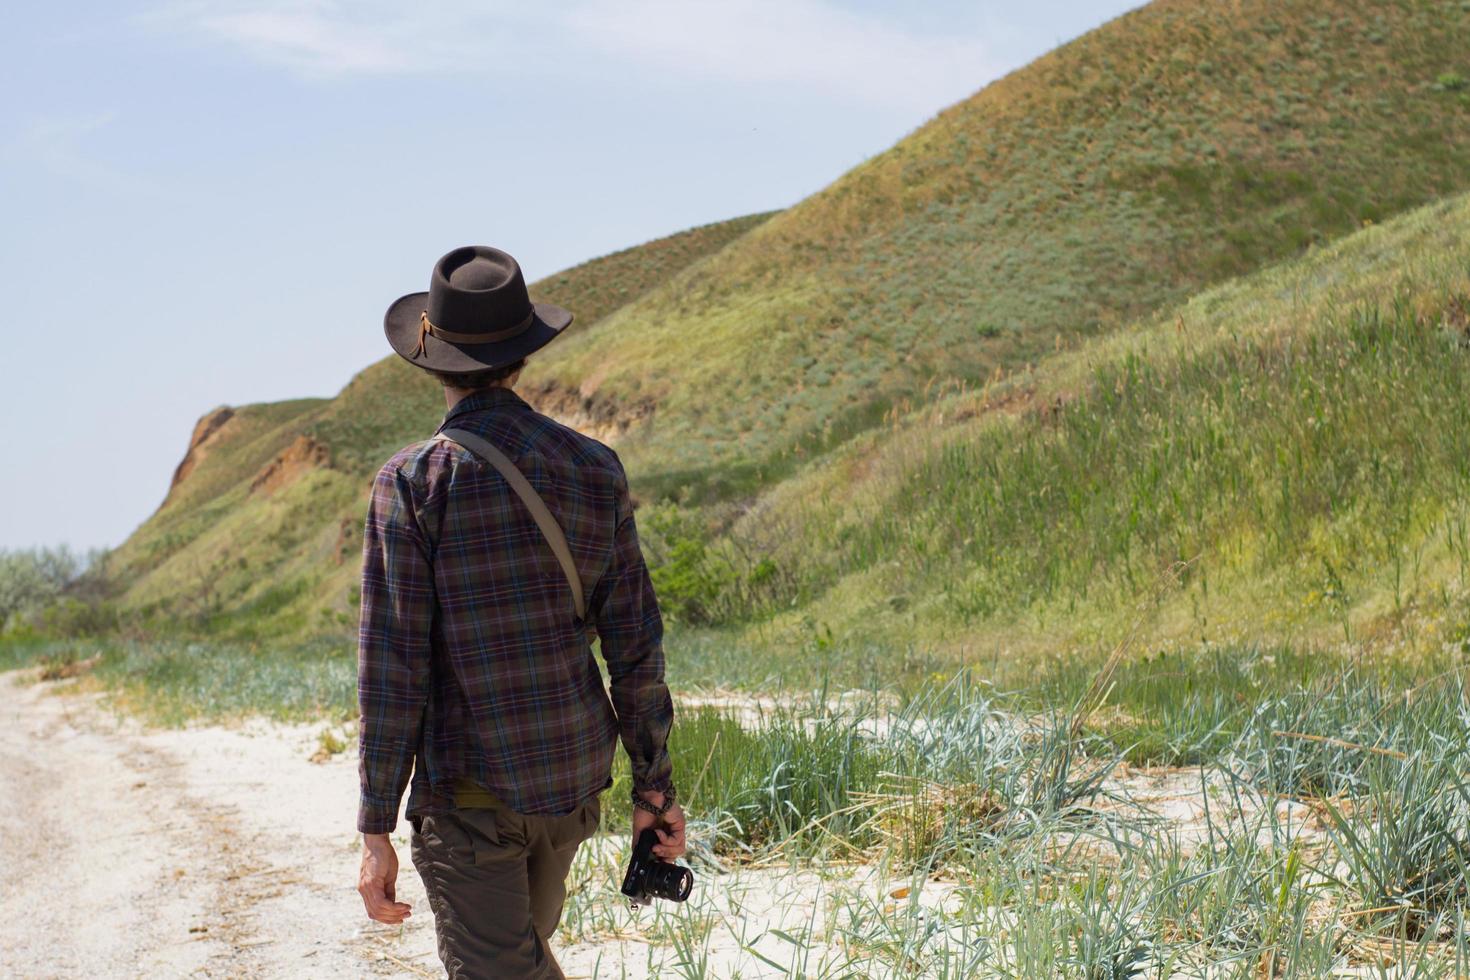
(518,482)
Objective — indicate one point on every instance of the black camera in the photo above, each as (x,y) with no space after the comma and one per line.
(649,877)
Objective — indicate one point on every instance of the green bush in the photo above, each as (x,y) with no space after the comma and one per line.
(693,586)
(54,592)
(1451,81)
(71,617)
(32,578)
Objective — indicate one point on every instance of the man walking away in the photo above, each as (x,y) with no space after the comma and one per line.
(492,554)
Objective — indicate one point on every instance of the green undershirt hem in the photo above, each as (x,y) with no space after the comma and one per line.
(470,795)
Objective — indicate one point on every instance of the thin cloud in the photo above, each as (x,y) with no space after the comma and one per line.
(61,146)
(307,40)
(813,44)
(363,37)
(800,42)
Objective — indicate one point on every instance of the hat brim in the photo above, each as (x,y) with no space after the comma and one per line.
(401,325)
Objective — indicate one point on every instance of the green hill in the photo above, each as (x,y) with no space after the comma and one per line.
(1287,454)
(1174,147)
(262,526)
(748,370)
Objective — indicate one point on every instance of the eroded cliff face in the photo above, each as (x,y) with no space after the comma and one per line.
(304,454)
(206,432)
(603,418)
(296,473)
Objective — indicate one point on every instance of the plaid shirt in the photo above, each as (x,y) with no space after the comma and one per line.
(471,659)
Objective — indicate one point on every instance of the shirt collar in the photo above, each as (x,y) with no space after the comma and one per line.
(483,399)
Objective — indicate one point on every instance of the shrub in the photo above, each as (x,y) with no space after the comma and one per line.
(52,590)
(1451,81)
(693,586)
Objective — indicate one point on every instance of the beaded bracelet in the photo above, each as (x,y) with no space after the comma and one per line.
(643,804)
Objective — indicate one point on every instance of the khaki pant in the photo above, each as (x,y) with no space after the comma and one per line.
(496,883)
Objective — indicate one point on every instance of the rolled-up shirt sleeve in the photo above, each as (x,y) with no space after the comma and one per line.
(393,649)
(631,630)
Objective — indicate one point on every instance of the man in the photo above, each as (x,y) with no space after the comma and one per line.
(474,660)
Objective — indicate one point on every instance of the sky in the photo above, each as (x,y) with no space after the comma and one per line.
(211,202)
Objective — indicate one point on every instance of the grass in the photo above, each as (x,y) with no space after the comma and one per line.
(172,682)
(1174,148)
(1245,431)
(219,551)
(1334,787)
(1407,853)
(1364,875)
(1297,439)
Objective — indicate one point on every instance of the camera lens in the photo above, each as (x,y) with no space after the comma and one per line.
(669,881)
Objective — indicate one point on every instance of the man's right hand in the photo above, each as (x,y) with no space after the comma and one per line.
(669,827)
(377,879)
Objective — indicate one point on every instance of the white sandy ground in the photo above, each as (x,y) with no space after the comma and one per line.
(219,851)
(222,851)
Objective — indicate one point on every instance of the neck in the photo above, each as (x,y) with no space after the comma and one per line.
(453,396)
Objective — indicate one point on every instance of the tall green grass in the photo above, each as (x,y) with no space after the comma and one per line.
(1328,452)
(171,682)
(1369,879)
(1336,796)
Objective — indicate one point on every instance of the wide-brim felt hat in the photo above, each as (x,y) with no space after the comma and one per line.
(475,315)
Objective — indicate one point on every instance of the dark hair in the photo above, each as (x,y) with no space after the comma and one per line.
(478,379)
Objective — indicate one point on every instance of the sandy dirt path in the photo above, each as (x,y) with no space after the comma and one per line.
(205,852)
(225,851)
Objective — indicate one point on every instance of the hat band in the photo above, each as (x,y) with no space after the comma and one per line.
(456,337)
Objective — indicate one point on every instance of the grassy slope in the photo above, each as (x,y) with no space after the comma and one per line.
(216,485)
(1176,146)
(388,405)
(1302,435)
(282,561)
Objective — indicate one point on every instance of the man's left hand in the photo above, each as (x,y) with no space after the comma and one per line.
(669,828)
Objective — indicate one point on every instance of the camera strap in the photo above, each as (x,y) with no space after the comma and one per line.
(552,531)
